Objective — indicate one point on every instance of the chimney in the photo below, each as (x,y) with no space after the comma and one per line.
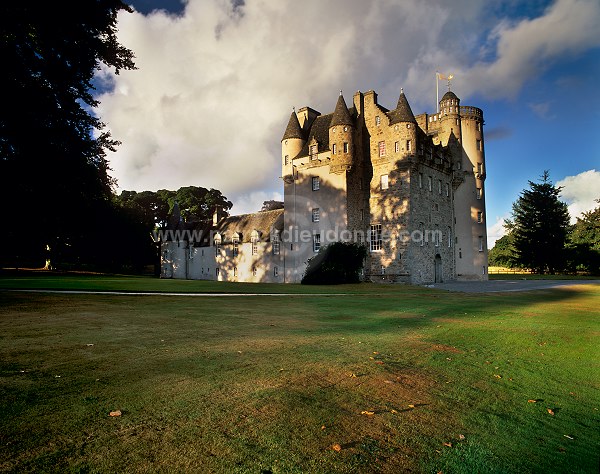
(218,215)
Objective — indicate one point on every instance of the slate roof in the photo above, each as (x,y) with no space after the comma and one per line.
(245,224)
(293,129)
(341,115)
(402,112)
(319,130)
(449,95)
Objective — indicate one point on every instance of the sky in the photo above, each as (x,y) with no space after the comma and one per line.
(217,80)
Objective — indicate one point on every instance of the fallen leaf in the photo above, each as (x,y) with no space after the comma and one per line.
(375,352)
(336,447)
(89,345)
(498,376)
(531,401)
(115,413)
(368,413)
(448,445)
(387,381)
(461,436)
(352,376)
(380,362)
(411,406)
(550,411)
(372,358)
(567,436)
(393,411)
(323,427)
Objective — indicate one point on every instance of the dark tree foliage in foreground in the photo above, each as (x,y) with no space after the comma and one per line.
(502,254)
(539,227)
(271,205)
(55,187)
(336,263)
(584,243)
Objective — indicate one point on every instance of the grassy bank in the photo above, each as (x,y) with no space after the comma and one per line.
(383,379)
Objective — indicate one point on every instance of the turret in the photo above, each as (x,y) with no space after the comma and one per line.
(403,121)
(341,137)
(292,142)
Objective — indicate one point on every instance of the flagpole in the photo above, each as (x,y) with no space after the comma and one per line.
(437,91)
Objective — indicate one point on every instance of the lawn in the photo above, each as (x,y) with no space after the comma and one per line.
(373,379)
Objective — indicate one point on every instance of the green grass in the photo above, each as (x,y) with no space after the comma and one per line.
(271,384)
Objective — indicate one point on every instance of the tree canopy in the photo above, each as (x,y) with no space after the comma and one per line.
(55,181)
(539,227)
(338,262)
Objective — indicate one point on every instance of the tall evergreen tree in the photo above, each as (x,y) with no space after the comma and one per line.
(54,180)
(539,227)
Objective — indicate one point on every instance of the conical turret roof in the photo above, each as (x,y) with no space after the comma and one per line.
(341,115)
(449,95)
(403,112)
(293,129)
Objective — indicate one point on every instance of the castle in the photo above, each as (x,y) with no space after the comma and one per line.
(410,188)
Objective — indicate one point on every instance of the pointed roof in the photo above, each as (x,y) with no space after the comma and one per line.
(403,112)
(293,129)
(449,95)
(341,115)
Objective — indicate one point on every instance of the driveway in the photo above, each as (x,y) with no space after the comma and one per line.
(497,286)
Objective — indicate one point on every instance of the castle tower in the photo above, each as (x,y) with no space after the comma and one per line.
(464,124)
(341,138)
(292,142)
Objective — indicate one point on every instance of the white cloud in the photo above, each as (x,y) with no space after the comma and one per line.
(214,87)
(496,231)
(580,192)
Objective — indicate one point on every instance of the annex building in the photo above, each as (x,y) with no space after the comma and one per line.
(410,188)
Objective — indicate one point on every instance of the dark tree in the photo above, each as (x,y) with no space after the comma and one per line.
(584,243)
(55,185)
(503,253)
(196,203)
(339,262)
(539,227)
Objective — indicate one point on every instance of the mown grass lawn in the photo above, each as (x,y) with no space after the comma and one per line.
(380,379)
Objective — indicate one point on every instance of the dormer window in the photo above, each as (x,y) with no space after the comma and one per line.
(217,242)
(314,150)
(235,240)
(334,149)
(254,240)
(377,120)
(346,148)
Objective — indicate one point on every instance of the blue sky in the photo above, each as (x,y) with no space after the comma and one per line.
(210,70)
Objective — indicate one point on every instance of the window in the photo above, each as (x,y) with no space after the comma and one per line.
(479,126)
(481,243)
(376,240)
(458,165)
(234,271)
(217,243)
(457,122)
(437,237)
(334,149)
(422,230)
(384,182)
(362,214)
(236,243)
(440,186)
(315,183)
(479,193)
(479,217)
(382,270)
(276,243)
(429,183)
(449,237)
(253,271)
(254,241)
(287,159)
(479,168)
(408,145)
(275,271)
(316,242)
(377,120)
(346,148)
(316,214)
(479,147)
(420,180)
(382,148)
(314,149)
(360,183)
(217,272)
(396,147)
(447,189)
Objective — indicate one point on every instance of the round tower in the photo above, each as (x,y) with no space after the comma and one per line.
(405,126)
(291,144)
(449,114)
(341,137)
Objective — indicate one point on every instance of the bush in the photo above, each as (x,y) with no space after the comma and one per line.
(339,262)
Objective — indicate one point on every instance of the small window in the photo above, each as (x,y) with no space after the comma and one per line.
(316,214)
(382,270)
(396,147)
(314,149)
(346,147)
(217,243)
(429,183)
(421,180)
(449,237)
(217,272)
(479,217)
(254,241)
(479,126)
(458,165)
(479,193)
(275,271)
(253,271)
(315,183)
(276,243)
(316,242)
(479,146)
(362,214)
(376,238)
(377,120)
(480,168)
(236,243)
(447,189)
(439,186)
(384,182)
(334,149)
(408,145)
(287,159)
(481,243)
(360,183)
(234,271)
(382,148)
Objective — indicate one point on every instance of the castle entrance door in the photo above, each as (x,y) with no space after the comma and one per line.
(438,268)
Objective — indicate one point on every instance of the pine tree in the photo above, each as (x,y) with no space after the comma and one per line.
(539,227)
